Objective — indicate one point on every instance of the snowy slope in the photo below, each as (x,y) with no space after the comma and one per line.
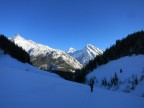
(45,57)
(132,68)
(24,86)
(89,52)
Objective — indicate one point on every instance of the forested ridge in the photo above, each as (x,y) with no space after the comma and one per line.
(132,44)
(12,49)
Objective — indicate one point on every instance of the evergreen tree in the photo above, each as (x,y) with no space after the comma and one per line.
(136,80)
(9,47)
(92,84)
(104,82)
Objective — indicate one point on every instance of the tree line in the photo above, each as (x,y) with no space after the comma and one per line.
(12,49)
(132,44)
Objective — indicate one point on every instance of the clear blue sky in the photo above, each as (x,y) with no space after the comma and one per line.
(71,23)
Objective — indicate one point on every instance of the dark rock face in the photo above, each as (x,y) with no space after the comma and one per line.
(47,62)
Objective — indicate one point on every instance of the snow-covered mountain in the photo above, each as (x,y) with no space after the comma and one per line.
(25,86)
(89,52)
(129,71)
(71,50)
(47,58)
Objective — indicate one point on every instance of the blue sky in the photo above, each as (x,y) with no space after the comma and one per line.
(71,23)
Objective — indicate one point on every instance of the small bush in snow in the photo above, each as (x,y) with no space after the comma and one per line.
(104,82)
(142,78)
(113,83)
(121,70)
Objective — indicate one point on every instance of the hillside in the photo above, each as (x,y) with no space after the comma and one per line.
(131,44)
(24,86)
(129,71)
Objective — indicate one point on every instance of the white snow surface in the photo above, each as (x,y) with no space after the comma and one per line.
(88,53)
(35,49)
(24,86)
(131,66)
(71,50)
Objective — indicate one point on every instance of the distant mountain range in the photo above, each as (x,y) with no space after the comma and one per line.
(48,58)
(45,57)
(89,52)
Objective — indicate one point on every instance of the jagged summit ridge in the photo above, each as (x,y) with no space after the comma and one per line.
(16,36)
(92,50)
(89,52)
